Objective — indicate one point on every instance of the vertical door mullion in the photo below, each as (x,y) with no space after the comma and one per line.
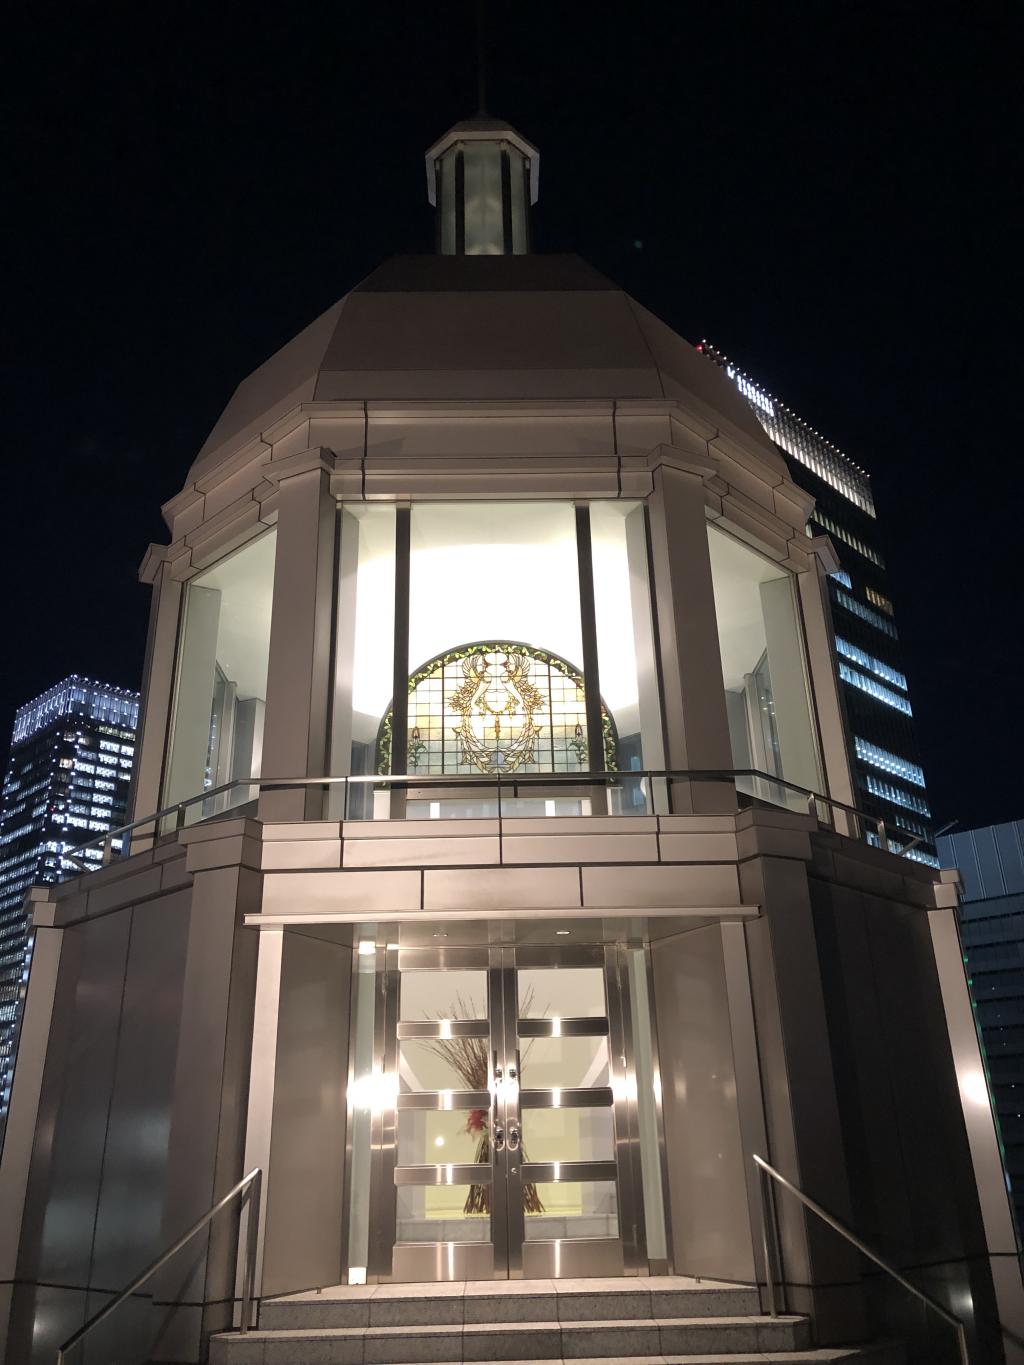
(516,1217)
(383,1122)
(496,1075)
(624,1104)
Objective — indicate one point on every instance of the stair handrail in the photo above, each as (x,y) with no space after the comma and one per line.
(248,1188)
(772,1257)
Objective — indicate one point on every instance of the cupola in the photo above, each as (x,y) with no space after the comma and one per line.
(482,177)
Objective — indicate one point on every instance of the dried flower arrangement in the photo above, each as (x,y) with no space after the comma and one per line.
(468,1058)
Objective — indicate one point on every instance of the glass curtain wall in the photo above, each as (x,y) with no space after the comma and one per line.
(221,687)
(771,728)
(625,636)
(494,651)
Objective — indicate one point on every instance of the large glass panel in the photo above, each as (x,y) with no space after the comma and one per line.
(561,992)
(443,995)
(495,651)
(442,1064)
(563,1062)
(625,638)
(568,1135)
(443,1213)
(573,1208)
(429,1136)
(763,666)
(485,233)
(220,698)
(648,1094)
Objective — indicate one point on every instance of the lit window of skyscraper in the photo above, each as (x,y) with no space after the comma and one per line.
(72,751)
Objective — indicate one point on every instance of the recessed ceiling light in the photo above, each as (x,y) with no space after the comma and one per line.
(561,932)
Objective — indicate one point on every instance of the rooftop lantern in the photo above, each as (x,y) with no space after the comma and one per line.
(482,177)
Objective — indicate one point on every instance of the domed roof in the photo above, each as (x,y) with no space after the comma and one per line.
(499,328)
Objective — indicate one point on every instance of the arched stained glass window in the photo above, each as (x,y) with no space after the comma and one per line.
(497,707)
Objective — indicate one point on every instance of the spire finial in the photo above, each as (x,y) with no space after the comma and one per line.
(481,60)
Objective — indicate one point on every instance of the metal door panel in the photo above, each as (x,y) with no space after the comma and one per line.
(510,1252)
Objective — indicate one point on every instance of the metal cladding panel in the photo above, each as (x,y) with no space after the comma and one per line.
(305,1189)
(81,1135)
(131,1200)
(89,1016)
(710,1220)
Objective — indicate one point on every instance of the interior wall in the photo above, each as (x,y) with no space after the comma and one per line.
(708,1214)
(305,1185)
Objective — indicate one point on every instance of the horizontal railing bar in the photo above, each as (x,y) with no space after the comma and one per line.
(407,781)
(865,1250)
(159,1263)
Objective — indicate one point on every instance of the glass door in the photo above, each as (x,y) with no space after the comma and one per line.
(507,1147)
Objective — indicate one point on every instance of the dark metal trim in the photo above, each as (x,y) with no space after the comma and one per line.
(588,632)
(460,204)
(400,674)
(563,1028)
(444,1028)
(597,1097)
(444,1100)
(462,1173)
(506,202)
(556,1172)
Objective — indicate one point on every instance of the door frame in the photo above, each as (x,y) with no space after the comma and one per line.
(513,1256)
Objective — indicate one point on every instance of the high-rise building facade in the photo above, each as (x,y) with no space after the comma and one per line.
(886,764)
(991,865)
(72,752)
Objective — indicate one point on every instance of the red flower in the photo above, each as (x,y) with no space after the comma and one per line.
(477,1121)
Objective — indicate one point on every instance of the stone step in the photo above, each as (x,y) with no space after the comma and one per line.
(871,1354)
(578,1339)
(486,1302)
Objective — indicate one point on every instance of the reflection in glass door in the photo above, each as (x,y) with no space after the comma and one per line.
(508,1142)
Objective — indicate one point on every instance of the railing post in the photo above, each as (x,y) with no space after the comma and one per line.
(767,1241)
(108,851)
(251,1235)
(883,838)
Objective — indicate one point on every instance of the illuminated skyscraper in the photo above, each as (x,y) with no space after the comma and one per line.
(883,751)
(72,751)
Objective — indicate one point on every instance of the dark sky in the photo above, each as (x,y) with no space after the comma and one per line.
(829,191)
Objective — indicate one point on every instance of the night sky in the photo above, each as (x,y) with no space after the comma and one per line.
(831,192)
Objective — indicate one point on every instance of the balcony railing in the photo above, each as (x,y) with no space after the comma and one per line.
(634,792)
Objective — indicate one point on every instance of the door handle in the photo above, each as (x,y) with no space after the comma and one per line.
(499,1137)
(513,1138)
(497,1068)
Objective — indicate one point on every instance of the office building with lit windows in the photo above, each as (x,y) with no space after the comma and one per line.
(883,752)
(991,865)
(495,886)
(72,751)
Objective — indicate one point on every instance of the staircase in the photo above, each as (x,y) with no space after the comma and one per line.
(644,1321)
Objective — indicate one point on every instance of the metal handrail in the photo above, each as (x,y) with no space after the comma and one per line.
(398,781)
(249,1189)
(772,1257)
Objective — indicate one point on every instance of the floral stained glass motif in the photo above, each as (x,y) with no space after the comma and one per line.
(497,707)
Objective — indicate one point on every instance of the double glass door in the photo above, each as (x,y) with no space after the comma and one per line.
(507,1145)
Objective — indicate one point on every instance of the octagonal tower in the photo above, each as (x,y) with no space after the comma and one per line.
(495,885)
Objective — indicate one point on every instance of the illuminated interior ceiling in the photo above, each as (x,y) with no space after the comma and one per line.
(245,581)
(737,574)
(497,707)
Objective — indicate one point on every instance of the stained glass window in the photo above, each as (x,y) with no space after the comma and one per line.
(497,707)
